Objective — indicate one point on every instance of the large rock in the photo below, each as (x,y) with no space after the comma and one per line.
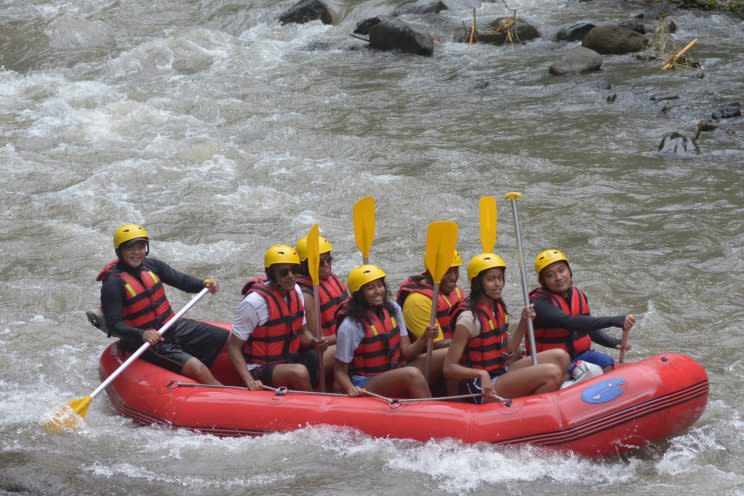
(574,32)
(675,143)
(307,11)
(496,31)
(394,34)
(420,7)
(614,40)
(580,60)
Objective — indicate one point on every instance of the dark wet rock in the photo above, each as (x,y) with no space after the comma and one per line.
(394,34)
(307,11)
(634,24)
(481,85)
(420,7)
(675,143)
(363,27)
(611,98)
(614,40)
(728,111)
(495,32)
(579,60)
(574,32)
(659,98)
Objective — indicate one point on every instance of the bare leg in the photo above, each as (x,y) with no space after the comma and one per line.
(523,381)
(291,375)
(329,359)
(556,356)
(195,369)
(406,382)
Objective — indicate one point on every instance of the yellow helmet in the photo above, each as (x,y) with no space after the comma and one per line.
(128,232)
(484,261)
(456,259)
(280,254)
(301,247)
(359,276)
(548,257)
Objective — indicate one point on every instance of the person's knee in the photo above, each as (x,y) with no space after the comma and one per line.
(554,374)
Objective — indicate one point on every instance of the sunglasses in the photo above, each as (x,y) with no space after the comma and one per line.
(284,272)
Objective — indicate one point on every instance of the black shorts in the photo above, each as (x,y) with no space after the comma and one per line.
(185,340)
(306,357)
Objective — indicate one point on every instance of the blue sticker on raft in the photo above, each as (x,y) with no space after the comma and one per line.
(604,391)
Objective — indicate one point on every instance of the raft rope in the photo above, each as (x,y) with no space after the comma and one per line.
(393,402)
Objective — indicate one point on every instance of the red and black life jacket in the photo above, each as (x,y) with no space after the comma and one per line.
(421,284)
(332,294)
(558,337)
(145,303)
(379,350)
(278,339)
(489,350)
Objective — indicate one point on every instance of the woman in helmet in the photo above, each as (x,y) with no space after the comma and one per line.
(332,294)
(135,306)
(270,343)
(372,344)
(563,319)
(483,355)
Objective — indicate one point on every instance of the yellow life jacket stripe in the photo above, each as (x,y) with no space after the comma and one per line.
(130,290)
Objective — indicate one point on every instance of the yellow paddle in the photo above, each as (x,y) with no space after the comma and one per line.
(488,216)
(70,415)
(513,197)
(364,225)
(313,265)
(441,238)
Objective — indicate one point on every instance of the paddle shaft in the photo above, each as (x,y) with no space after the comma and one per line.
(144,347)
(432,321)
(318,334)
(523,275)
(623,345)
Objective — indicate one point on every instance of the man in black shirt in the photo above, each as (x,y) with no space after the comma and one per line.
(135,307)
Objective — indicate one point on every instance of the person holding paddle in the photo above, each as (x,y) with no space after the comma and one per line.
(270,343)
(483,355)
(134,305)
(415,297)
(563,319)
(372,344)
(331,291)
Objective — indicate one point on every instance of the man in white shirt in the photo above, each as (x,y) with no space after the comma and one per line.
(270,343)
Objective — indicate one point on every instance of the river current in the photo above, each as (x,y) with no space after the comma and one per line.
(223,132)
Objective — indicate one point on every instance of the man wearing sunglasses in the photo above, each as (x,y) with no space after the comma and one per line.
(270,343)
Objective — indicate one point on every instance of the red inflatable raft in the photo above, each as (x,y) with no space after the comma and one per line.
(636,404)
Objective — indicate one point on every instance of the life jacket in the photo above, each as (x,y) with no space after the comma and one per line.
(558,337)
(145,303)
(332,294)
(419,283)
(489,350)
(379,350)
(278,339)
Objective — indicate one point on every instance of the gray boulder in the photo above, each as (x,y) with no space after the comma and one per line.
(579,60)
(307,11)
(574,32)
(614,40)
(675,143)
(394,34)
(420,7)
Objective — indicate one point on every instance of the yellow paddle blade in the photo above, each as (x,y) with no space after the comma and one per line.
(488,217)
(313,255)
(441,238)
(364,224)
(68,418)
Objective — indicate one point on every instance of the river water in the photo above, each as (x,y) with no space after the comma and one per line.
(223,132)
